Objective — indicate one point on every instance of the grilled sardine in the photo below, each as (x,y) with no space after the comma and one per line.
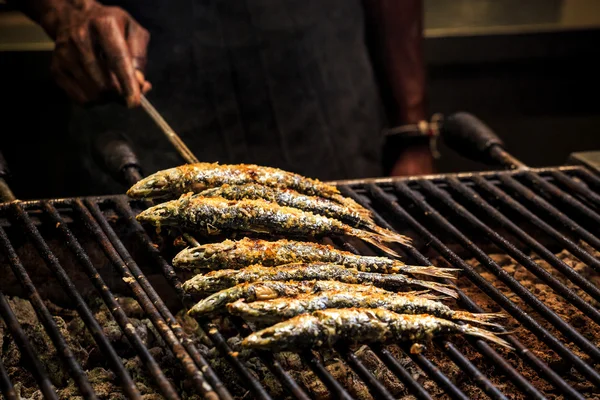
(242,253)
(214,215)
(326,327)
(214,281)
(275,310)
(195,178)
(291,198)
(258,291)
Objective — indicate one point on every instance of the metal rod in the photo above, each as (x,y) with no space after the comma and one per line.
(436,374)
(84,311)
(550,210)
(577,187)
(112,305)
(488,289)
(377,388)
(175,140)
(474,374)
(62,348)
(483,347)
(412,385)
(129,271)
(514,252)
(6,386)
(589,178)
(39,373)
(471,196)
(507,200)
(550,191)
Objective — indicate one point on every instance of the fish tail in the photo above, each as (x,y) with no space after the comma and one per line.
(374,239)
(426,294)
(484,334)
(482,318)
(429,270)
(391,236)
(435,286)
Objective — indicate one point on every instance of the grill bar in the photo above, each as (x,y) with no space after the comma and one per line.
(518,255)
(113,306)
(127,268)
(576,187)
(38,371)
(487,288)
(85,313)
(480,345)
(471,196)
(572,247)
(405,377)
(588,178)
(518,289)
(550,210)
(550,191)
(377,388)
(482,381)
(438,376)
(6,387)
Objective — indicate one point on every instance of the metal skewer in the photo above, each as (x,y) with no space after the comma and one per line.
(175,140)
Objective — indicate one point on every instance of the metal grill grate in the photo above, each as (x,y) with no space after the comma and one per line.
(460,220)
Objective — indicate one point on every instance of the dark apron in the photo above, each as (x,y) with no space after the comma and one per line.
(284,83)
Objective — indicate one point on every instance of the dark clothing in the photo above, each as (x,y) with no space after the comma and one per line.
(284,83)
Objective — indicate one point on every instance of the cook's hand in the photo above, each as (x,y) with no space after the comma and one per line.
(414,160)
(98,49)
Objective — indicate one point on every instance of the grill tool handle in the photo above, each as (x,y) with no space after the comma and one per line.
(114,155)
(5,193)
(472,138)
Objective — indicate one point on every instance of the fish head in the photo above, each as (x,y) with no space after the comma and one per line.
(200,255)
(303,331)
(160,184)
(161,214)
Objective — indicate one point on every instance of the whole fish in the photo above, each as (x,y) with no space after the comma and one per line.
(275,310)
(242,253)
(291,198)
(214,281)
(257,291)
(214,215)
(195,178)
(326,327)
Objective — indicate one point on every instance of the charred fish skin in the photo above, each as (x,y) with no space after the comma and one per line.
(213,215)
(242,253)
(327,327)
(275,310)
(195,178)
(291,198)
(214,281)
(260,291)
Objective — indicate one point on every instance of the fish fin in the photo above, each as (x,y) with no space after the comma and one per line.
(479,318)
(484,334)
(435,286)
(374,239)
(391,236)
(429,270)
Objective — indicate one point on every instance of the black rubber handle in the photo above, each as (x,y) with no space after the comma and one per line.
(470,137)
(113,153)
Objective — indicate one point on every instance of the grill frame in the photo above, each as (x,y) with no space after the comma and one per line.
(89,211)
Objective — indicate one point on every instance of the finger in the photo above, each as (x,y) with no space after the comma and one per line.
(66,63)
(71,87)
(144,84)
(111,39)
(89,61)
(137,41)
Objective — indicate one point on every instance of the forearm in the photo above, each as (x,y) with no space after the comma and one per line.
(398,32)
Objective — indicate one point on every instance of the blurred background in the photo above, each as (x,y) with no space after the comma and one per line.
(529,69)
